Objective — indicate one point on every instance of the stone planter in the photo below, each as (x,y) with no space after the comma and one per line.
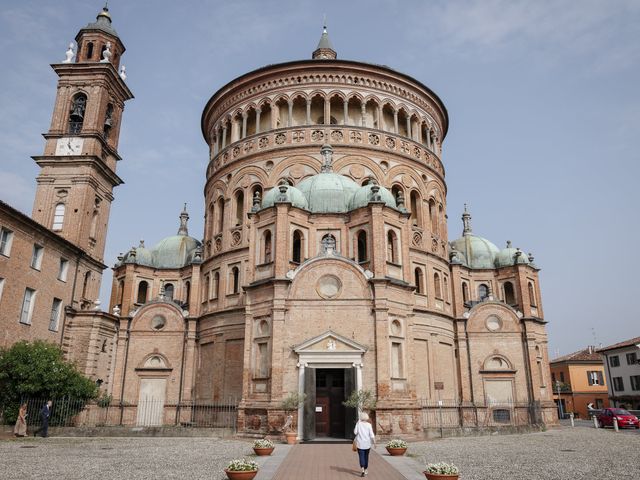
(396,452)
(440,476)
(291,437)
(247,475)
(263,452)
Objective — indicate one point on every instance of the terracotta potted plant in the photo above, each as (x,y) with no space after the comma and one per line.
(263,447)
(396,447)
(441,471)
(241,469)
(291,404)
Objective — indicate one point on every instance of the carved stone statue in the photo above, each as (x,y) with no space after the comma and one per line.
(69,54)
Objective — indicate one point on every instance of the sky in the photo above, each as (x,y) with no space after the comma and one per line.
(542,98)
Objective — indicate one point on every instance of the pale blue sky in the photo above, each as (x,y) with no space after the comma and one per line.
(542,97)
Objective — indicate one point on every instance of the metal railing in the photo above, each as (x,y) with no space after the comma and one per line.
(447,414)
(69,412)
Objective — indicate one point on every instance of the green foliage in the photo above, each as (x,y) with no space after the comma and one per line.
(292,402)
(104,401)
(361,399)
(38,370)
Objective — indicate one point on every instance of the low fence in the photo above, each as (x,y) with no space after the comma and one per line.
(66,412)
(454,414)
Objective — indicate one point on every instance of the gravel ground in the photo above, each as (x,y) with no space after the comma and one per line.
(558,454)
(121,458)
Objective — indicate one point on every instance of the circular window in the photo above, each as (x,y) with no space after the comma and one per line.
(396,328)
(493,323)
(328,286)
(158,322)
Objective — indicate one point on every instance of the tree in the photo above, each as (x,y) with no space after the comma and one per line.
(39,370)
(361,400)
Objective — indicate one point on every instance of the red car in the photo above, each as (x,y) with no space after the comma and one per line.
(625,419)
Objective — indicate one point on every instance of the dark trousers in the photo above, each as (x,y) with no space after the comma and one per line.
(363,456)
(44,428)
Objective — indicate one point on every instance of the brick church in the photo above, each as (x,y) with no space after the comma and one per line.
(325,265)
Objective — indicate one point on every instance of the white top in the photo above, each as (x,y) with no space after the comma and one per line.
(364,435)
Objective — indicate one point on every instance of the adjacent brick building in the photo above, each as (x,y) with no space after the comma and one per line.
(622,367)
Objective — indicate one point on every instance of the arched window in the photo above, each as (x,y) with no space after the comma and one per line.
(85,284)
(433,216)
(419,280)
(239,207)
(266,247)
(532,295)
(296,254)
(168,291)
(445,280)
(256,189)
(143,287)
(437,286)
(220,219)
(120,292)
(108,121)
(362,246)
(58,217)
(415,209)
(395,191)
(211,219)
(89,50)
(206,290)
(94,225)
(509,293)
(104,48)
(235,274)
(187,294)
(441,223)
(216,285)
(76,115)
(465,292)
(392,247)
(483,291)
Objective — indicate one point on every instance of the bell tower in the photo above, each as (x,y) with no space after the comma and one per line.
(78,166)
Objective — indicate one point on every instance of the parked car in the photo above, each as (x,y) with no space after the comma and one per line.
(625,419)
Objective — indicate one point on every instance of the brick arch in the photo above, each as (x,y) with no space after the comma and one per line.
(287,162)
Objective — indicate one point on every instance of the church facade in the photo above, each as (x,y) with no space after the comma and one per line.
(325,266)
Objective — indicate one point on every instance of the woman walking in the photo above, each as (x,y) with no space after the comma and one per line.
(364,440)
(20,430)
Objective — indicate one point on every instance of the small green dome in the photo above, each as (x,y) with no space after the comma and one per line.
(509,256)
(477,252)
(328,192)
(144,257)
(294,196)
(174,252)
(363,195)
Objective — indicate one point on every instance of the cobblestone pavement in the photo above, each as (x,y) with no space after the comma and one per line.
(558,454)
(119,458)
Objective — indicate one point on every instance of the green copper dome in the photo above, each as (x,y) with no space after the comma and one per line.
(174,252)
(477,252)
(363,196)
(510,256)
(328,192)
(292,194)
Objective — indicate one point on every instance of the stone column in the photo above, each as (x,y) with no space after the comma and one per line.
(379,116)
(290,117)
(308,111)
(345,106)
(327,111)
(395,122)
(408,127)
(244,125)
(224,135)
(363,112)
(258,112)
(301,368)
(217,149)
(358,367)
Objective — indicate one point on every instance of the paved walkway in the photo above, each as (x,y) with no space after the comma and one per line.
(331,462)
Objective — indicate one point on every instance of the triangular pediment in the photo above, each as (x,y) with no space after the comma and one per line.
(329,342)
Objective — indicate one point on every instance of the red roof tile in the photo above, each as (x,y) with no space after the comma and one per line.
(580,356)
(626,343)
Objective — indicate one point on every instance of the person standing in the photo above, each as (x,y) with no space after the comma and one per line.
(20,430)
(45,413)
(365,439)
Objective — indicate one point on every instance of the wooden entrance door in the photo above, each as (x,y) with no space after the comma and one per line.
(330,413)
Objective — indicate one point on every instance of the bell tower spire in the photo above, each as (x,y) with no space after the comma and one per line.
(78,165)
(324,50)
